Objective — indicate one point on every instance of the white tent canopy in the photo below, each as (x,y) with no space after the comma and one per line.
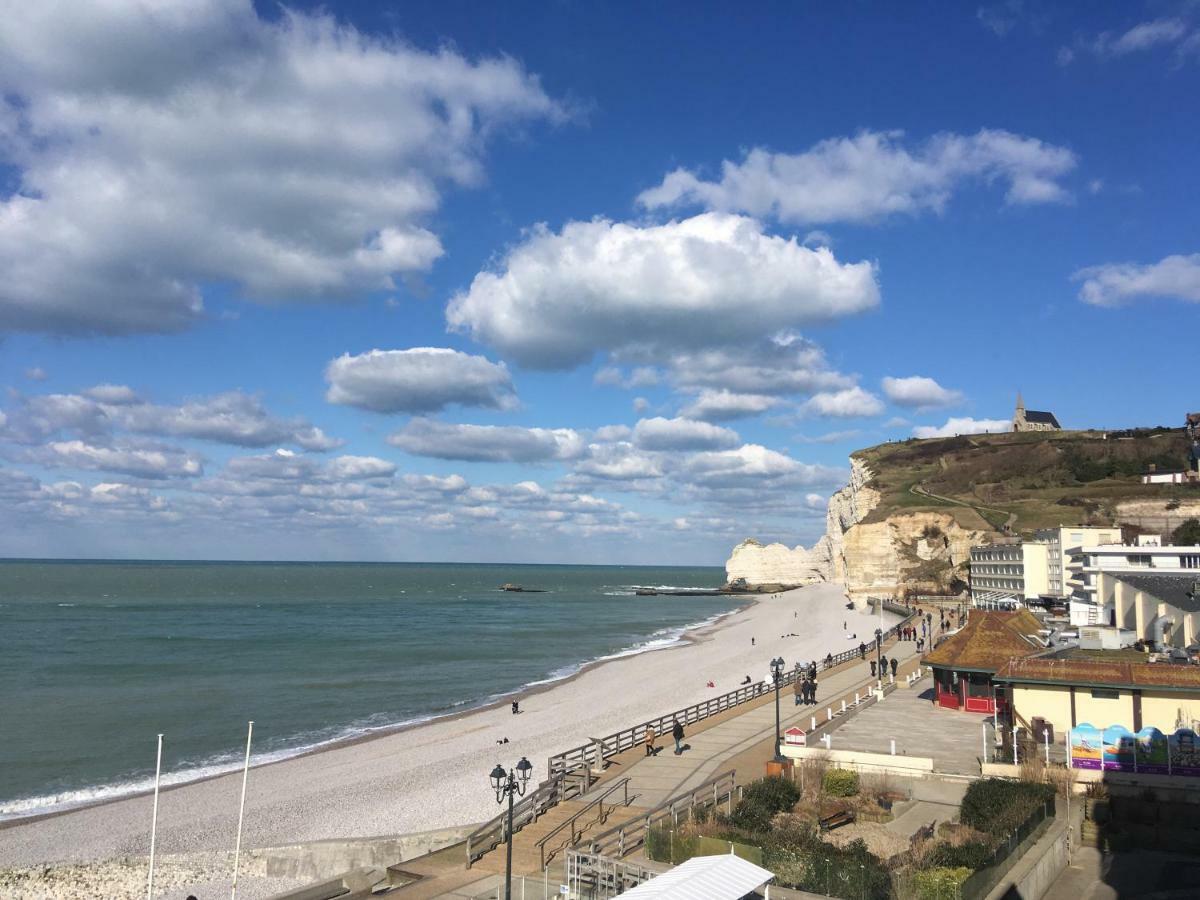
(725,877)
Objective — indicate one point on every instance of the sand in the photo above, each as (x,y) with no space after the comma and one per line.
(436,775)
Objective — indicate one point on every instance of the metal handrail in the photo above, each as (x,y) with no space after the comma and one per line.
(631,833)
(601,818)
(554,790)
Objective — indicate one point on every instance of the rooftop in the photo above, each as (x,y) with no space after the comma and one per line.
(988,641)
(1105,672)
(1045,418)
(1176,589)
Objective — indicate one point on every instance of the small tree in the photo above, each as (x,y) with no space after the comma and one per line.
(1187,534)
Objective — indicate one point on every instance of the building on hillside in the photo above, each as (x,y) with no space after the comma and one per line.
(1090,605)
(1032,419)
(1101,690)
(1029,570)
(964,663)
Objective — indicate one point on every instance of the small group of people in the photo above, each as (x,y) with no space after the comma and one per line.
(908,633)
(805,684)
(883,665)
(676,734)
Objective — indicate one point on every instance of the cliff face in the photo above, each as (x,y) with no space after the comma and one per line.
(921,550)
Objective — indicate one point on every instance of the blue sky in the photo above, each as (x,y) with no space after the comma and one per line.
(560,282)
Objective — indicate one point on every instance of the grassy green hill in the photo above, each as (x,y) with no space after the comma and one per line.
(1029,480)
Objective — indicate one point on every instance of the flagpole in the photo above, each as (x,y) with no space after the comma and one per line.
(237,850)
(154,820)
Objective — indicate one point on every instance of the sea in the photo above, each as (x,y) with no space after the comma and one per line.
(99,658)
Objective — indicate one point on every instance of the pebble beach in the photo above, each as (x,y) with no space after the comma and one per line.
(426,777)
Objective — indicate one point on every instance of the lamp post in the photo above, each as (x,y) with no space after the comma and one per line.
(777,673)
(879,652)
(510,784)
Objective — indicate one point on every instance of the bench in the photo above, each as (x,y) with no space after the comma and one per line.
(837,819)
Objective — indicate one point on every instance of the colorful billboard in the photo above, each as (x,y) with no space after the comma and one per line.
(1118,749)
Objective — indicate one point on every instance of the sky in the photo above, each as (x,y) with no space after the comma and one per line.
(565,282)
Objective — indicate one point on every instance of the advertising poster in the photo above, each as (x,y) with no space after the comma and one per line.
(1087,749)
(1118,748)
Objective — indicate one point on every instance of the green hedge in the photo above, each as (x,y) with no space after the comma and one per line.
(971,855)
(999,806)
(851,872)
(841,783)
(762,800)
(939,883)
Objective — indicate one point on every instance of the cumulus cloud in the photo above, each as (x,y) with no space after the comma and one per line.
(919,392)
(752,464)
(871,176)
(125,459)
(556,299)
(621,461)
(964,425)
(352,468)
(641,376)
(418,380)
(486,443)
(682,434)
(1154,34)
(724,406)
(36,373)
(846,403)
(1115,284)
(303,159)
(782,364)
(112,394)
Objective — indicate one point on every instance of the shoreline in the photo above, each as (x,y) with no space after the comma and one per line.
(691,634)
(434,774)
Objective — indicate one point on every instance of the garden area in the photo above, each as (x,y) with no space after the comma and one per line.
(826,832)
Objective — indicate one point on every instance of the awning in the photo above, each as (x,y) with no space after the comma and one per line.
(724,877)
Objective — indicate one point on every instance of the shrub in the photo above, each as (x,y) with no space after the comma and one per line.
(841,783)
(970,855)
(850,871)
(934,884)
(762,800)
(998,806)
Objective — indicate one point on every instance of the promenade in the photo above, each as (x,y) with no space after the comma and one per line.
(742,739)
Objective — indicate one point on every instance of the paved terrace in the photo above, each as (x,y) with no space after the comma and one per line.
(742,738)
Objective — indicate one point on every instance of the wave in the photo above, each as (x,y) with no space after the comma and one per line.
(298,745)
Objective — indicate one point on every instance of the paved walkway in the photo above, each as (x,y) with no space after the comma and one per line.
(709,752)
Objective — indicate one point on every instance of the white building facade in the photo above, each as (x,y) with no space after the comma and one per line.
(1089,605)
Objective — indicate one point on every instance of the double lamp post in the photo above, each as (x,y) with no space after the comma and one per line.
(510,784)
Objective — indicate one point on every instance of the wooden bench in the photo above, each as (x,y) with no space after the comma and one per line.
(837,819)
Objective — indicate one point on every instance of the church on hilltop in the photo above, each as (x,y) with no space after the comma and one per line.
(1032,419)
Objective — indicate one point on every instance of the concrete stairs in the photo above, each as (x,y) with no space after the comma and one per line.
(527,856)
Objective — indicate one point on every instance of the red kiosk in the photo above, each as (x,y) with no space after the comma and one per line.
(964,663)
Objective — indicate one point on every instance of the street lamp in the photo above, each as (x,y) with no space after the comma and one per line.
(510,784)
(879,652)
(777,672)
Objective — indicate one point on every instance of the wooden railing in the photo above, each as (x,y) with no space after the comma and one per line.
(554,790)
(631,834)
(595,751)
(547,844)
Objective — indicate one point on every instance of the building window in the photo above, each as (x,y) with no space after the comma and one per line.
(1105,694)
(1191,562)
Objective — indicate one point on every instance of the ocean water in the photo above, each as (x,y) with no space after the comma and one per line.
(97,658)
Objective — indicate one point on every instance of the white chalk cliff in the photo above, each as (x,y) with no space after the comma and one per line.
(922,550)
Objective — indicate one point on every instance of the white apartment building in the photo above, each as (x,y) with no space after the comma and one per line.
(1088,603)
(1031,569)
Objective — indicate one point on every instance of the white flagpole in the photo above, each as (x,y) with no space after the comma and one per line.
(237,850)
(154,821)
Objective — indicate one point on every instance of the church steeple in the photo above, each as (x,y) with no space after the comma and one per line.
(1020,403)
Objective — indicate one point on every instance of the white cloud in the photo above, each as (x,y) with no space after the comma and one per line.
(682,434)
(964,425)
(783,364)
(640,405)
(611,433)
(641,376)
(620,462)
(112,394)
(349,468)
(303,159)
(36,373)
(558,298)
(919,392)
(140,462)
(832,437)
(751,464)
(418,380)
(723,406)
(871,176)
(1114,284)
(846,403)
(486,443)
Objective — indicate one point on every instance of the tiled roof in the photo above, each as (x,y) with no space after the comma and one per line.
(1113,673)
(988,641)
(1045,418)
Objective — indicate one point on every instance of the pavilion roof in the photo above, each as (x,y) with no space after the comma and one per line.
(988,641)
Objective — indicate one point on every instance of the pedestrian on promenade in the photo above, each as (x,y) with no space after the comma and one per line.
(751,642)
(812,691)
(516,707)
(829,660)
(812,671)
(677,733)
(798,688)
(862,650)
(883,664)
(872,668)
(649,741)
(893,667)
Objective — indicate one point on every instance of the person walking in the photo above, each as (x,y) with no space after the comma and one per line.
(883,666)
(677,733)
(798,688)
(862,650)
(894,667)
(812,691)
(872,668)
(812,671)
(649,741)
